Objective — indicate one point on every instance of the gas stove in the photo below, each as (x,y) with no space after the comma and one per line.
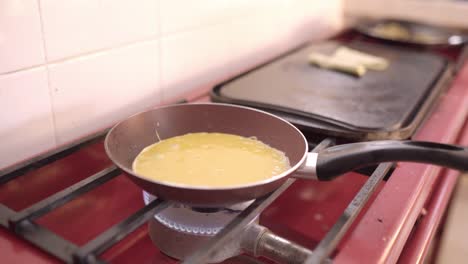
(71,204)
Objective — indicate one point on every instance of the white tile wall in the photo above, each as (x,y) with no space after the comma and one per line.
(179,15)
(206,54)
(78,26)
(233,46)
(21,44)
(93,92)
(108,59)
(26,119)
(324,18)
(187,60)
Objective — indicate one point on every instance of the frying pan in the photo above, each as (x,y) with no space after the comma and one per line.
(126,140)
(432,35)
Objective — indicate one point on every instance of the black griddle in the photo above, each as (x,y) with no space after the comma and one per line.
(379,105)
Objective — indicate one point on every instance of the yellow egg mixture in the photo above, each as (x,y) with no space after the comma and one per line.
(210,160)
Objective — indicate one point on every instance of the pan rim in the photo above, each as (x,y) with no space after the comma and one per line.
(207,188)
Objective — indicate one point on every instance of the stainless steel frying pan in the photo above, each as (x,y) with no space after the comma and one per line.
(125,141)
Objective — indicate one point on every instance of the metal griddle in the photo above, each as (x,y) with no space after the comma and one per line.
(379,105)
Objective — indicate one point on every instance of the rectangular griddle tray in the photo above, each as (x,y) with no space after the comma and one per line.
(380,105)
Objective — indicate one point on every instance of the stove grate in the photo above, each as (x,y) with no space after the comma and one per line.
(23,222)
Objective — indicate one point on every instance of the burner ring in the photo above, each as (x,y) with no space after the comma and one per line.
(199,221)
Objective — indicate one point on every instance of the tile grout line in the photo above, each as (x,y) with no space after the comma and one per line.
(49,83)
(31,67)
(97,51)
(158,36)
(85,54)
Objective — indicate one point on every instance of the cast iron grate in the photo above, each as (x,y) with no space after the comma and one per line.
(24,225)
(23,222)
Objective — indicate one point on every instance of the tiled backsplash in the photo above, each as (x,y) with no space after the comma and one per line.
(70,68)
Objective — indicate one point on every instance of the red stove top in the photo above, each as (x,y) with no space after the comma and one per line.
(398,223)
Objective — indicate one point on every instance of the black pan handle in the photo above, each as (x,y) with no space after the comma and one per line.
(340,159)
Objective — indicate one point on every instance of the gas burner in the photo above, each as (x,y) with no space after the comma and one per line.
(179,229)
